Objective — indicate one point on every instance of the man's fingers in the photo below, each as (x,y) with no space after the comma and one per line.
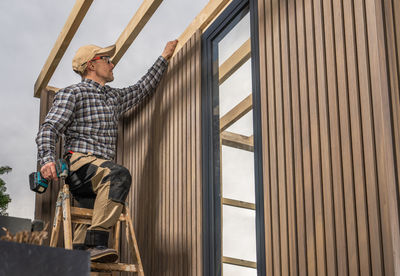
(48,171)
(169,49)
(53,171)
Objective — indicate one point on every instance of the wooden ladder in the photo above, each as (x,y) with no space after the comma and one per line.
(64,212)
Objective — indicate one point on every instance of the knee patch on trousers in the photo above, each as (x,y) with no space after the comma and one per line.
(120,181)
(79,181)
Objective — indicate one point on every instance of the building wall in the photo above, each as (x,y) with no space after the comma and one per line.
(330,116)
(45,203)
(160,144)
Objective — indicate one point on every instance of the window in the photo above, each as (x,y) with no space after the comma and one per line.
(232,183)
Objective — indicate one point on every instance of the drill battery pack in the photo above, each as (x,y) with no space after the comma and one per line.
(37,183)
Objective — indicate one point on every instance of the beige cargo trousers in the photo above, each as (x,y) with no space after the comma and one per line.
(99,184)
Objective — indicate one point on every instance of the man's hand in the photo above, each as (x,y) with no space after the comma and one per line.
(169,49)
(48,171)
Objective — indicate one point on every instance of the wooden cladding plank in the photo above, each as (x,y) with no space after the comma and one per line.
(298,194)
(202,20)
(287,124)
(316,189)
(233,63)
(134,27)
(325,149)
(74,19)
(306,143)
(280,139)
(356,136)
(392,21)
(263,33)
(368,139)
(384,136)
(236,113)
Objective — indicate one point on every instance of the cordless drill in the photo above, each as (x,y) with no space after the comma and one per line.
(39,184)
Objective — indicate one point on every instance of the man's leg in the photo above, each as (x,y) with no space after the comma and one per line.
(111,183)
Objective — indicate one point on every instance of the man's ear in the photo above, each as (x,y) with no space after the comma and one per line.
(90,65)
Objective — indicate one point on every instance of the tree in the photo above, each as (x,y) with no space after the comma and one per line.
(4,198)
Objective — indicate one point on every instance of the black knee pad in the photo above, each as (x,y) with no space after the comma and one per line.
(120,181)
(79,181)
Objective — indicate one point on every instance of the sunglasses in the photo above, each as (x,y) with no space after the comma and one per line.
(106,58)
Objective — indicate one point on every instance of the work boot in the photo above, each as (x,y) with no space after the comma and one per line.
(97,241)
(102,254)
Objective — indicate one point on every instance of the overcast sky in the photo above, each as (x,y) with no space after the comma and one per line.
(28,31)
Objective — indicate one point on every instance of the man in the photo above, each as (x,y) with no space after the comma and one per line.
(87,114)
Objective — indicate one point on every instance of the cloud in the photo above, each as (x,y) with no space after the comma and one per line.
(30,29)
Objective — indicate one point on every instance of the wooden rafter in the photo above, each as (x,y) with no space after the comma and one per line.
(238,141)
(139,20)
(236,113)
(202,20)
(238,203)
(135,26)
(234,261)
(71,26)
(237,59)
(52,88)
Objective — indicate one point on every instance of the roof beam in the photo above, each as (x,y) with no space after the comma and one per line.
(235,261)
(236,113)
(202,20)
(238,203)
(64,38)
(52,88)
(237,141)
(138,21)
(237,59)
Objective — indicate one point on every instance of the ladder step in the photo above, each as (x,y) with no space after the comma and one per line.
(87,213)
(114,267)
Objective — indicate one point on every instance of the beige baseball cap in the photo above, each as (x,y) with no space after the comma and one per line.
(86,53)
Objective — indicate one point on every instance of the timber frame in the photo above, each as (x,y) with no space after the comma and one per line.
(128,35)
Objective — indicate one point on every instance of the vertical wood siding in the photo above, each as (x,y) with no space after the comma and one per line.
(45,203)
(160,144)
(331,128)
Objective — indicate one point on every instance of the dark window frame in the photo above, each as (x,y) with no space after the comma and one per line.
(212,263)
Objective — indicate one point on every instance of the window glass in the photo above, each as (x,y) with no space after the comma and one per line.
(239,239)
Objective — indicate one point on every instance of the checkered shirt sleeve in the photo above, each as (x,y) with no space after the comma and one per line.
(55,123)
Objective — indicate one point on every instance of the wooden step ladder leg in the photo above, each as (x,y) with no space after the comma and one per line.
(117,235)
(132,241)
(66,204)
(57,221)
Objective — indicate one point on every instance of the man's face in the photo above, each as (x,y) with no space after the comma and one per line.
(103,68)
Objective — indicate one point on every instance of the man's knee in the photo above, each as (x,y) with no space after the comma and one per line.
(120,181)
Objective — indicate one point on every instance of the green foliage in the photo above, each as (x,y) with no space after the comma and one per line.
(4,198)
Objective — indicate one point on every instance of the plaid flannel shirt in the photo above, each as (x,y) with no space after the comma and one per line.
(87,114)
